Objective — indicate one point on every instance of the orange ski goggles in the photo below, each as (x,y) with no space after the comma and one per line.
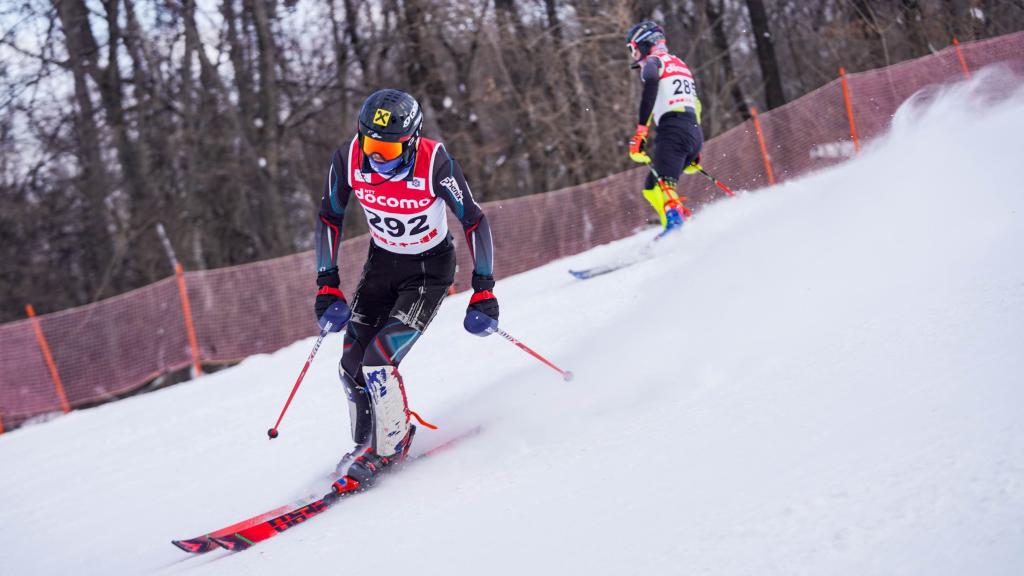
(380,150)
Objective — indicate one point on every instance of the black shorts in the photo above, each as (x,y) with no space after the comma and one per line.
(406,287)
(677,143)
(397,297)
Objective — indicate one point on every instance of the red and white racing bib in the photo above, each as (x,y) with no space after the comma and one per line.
(676,88)
(405,216)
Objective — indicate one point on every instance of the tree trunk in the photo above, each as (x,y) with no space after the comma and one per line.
(249,219)
(423,69)
(913,25)
(721,43)
(866,22)
(270,131)
(95,179)
(773,94)
(351,17)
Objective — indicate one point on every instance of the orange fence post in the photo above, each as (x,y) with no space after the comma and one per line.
(764,150)
(963,61)
(186,308)
(49,359)
(849,109)
(1,424)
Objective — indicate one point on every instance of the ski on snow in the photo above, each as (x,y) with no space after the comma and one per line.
(600,269)
(646,252)
(250,531)
(207,542)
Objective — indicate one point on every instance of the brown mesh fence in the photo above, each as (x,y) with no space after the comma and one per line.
(115,346)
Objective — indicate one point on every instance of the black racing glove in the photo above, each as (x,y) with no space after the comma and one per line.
(483,299)
(329,293)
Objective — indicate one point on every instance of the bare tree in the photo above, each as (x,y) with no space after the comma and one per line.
(721,44)
(218,119)
(773,94)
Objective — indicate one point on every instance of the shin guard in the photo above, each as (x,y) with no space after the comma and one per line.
(656,198)
(390,410)
(358,410)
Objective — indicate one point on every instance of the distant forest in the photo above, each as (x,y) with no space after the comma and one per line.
(217,119)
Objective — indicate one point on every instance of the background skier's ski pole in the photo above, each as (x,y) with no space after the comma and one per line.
(715,180)
(340,317)
(479,323)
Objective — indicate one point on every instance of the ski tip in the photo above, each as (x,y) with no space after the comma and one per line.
(580,274)
(666,234)
(195,545)
(232,542)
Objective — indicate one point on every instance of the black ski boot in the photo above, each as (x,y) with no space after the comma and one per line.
(360,468)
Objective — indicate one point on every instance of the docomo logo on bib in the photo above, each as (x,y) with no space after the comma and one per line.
(370,197)
(674,68)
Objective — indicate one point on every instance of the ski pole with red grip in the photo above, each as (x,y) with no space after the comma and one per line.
(714,180)
(335,317)
(478,323)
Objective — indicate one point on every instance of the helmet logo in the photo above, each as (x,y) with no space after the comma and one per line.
(381,117)
(415,112)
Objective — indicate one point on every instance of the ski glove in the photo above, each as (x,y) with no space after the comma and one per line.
(636,145)
(483,299)
(693,167)
(330,305)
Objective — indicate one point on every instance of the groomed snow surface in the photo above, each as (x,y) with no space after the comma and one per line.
(825,378)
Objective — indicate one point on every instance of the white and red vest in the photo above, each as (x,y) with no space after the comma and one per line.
(676,88)
(405,216)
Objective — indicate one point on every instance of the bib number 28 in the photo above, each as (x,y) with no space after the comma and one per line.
(683,86)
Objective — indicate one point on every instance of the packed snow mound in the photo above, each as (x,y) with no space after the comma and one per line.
(823,378)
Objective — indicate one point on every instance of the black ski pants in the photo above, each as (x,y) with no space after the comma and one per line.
(397,297)
(677,143)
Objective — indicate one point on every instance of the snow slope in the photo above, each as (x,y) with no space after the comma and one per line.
(826,378)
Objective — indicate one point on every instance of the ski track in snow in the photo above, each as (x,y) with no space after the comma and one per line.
(825,378)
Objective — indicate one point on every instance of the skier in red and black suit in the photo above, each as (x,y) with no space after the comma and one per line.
(402,182)
(669,100)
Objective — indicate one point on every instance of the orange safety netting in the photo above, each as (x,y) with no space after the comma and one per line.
(113,347)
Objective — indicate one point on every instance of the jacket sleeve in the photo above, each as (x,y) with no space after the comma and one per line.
(650,76)
(450,185)
(332,214)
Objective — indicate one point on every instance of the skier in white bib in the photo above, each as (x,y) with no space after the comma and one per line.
(669,100)
(403,183)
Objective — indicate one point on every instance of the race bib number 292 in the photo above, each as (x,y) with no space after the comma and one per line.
(396,226)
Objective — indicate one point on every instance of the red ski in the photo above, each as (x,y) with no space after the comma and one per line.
(246,533)
(245,537)
(205,543)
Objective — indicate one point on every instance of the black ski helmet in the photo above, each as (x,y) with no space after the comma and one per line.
(391,115)
(642,37)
